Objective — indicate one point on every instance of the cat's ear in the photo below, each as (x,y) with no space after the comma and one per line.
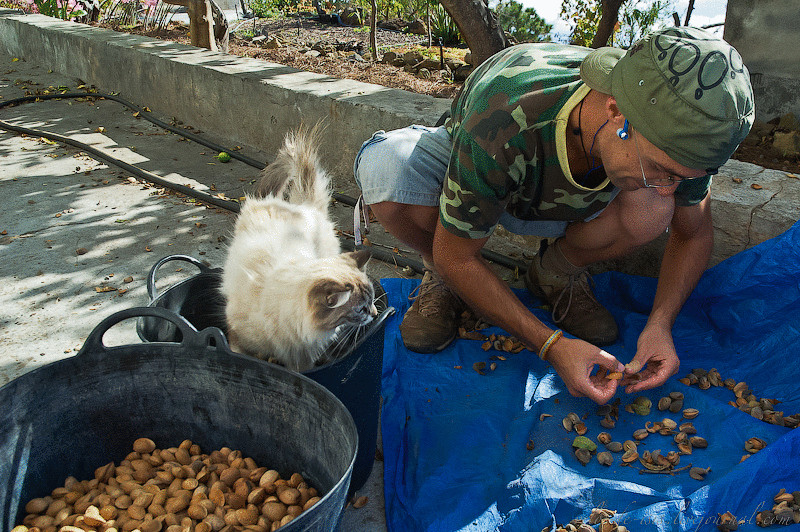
(359,257)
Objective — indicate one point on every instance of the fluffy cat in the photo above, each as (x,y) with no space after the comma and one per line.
(288,287)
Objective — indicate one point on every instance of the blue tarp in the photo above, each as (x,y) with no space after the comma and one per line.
(454,441)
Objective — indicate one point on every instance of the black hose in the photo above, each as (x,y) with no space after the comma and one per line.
(233,206)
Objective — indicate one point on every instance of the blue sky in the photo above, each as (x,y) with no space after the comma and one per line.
(705,12)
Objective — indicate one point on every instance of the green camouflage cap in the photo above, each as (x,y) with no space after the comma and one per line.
(685,90)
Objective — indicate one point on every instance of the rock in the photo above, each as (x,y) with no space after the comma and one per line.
(453,64)
(468,58)
(461,73)
(412,57)
(789,121)
(312,53)
(272,44)
(787,143)
(394,25)
(424,73)
(430,64)
(259,39)
(324,48)
(399,62)
(356,58)
(408,68)
(417,27)
(351,16)
(389,58)
(758,132)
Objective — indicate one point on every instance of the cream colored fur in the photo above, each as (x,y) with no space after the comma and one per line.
(284,246)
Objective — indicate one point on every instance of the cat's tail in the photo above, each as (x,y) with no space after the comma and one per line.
(296,174)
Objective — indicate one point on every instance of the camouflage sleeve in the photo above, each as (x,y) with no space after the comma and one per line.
(692,191)
(476,189)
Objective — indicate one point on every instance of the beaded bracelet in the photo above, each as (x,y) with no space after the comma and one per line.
(549,343)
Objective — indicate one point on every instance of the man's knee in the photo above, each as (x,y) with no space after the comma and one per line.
(648,216)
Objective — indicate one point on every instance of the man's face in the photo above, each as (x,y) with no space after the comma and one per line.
(637,163)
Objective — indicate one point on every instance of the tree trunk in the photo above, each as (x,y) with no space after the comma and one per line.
(221,30)
(689,12)
(373,30)
(608,19)
(201,24)
(478,26)
(428,23)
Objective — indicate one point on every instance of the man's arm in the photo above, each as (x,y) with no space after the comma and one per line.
(459,262)
(685,259)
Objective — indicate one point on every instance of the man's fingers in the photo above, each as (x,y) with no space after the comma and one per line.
(608,361)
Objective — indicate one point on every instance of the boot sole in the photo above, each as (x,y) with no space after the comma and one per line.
(428,350)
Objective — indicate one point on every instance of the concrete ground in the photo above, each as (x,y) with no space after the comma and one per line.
(77,237)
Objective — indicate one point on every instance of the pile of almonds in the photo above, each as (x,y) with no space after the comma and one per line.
(470,327)
(746,401)
(599,516)
(179,489)
(684,435)
(785,511)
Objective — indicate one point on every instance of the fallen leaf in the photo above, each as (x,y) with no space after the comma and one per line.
(122,291)
(756,186)
(3,232)
(100,289)
(147,248)
(360,502)
(792,176)
(737,180)
(128,279)
(81,251)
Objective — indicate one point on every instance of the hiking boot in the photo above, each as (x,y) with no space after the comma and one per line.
(566,288)
(432,321)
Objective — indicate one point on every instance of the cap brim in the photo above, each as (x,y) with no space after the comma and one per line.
(597,66)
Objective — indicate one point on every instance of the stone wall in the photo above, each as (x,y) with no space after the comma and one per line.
(765,32)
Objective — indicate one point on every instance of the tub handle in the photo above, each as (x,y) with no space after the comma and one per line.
(151,277)
(189,335)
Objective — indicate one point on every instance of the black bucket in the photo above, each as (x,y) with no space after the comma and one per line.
(354,376)
(72,416)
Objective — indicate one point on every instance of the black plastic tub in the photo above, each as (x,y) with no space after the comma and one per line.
(354,376)
(72,416)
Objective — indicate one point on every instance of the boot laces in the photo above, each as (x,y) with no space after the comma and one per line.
(432,295)
(582,298)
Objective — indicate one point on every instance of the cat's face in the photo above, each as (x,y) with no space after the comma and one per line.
(347,299)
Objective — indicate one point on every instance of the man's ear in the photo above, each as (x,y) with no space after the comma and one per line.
(613,114)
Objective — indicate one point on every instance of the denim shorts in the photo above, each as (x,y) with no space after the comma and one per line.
(409,165)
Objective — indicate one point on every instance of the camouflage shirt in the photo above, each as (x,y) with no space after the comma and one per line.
(508,127)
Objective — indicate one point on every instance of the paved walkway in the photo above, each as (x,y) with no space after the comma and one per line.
(77,237)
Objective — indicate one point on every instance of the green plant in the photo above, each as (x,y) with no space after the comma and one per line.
(638,17)
(522,25)
(268,8)
(585,16)
(63,9)
(443,27)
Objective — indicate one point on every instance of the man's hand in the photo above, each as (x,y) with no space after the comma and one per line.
(655,360)
(574,361)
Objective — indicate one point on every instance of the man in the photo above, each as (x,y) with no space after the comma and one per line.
(601,150)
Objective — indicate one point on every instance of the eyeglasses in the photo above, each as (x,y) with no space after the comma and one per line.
(657,182)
